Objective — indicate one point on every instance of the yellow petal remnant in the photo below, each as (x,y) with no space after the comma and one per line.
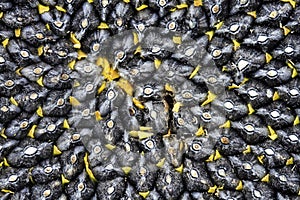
(176,107)
(197,3)
(1,15)
(212,190)
(126,170)
(90,1)
(210,97)
(110,146)
(273,135)
(200,132)
(177,39)
(292,2)
(179,169)
(40,50)
(157,63)
(142,7)
(2,134)
(236,45)
(98,116)
(181,6)
(239,186)
(286,30)
(40,111)
(211,158)
(137,103)
(13,101)
(161,163)
(64,180)
(227,124)
(260,159)
(17,32)
(87,168)
(42,9)
(266,178)
(56,150)
(218,25)
(252,13)
(71,64)
(31,131)
(75,41)
(59,8)
(145,128)
(250,109)
(7,191)
(74,101)
(210,34)
(169,88)
(268,57)
(275,96)
(296,121)
(40,81)
(66,124)
(217,155)
(103,26)
(290,161)
(5,42)
(102,87)
(126,86)
(135,38)
(144,194)
(247,150)
(81,55)
(195,71)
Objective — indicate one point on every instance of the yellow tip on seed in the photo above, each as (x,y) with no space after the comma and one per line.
(236,45)
(177,39)
(161,163)
(252,13)
(13,101)
(268,57)
(75,41)
(137,103)
(227,124)
(40,81)
(296,121)
(59,8)
(239,186)
(217,155)
(81,55)
(157,63)
(103,25)
(64,180)
(56,151)
(110,146)
(275,96)
(142,7)
(210,97)
(71,64)
(260,159)
(212,190)
(102,87)
(40,111)
(273,135)
(290,161)
(31,131)
(42,9)
(87,168)
(266,178)
(66,124)
(247,150)
(126,170)
(98,116)
(126,86)
(200,132)
(144,194)
(179,169)
(197,3)
(195,71)
(250,109)
(5,42)
(218,25)
(210,34)
(74,101)
(17,32)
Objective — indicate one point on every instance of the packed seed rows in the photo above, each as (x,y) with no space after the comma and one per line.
(162,99)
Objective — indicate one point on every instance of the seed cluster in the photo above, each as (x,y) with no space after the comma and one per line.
(149,99)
